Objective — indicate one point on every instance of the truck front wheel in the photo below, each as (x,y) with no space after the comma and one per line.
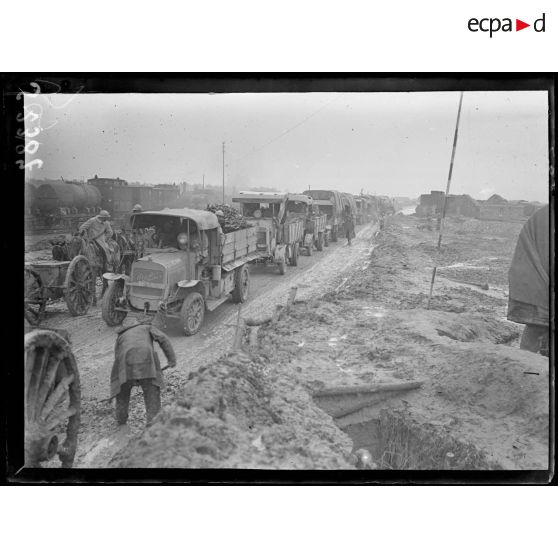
(241,284)
(192,313)
(109,311)
(294,256)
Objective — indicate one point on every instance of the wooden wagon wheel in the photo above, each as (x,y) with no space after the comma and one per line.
(78,286)
(52,399)
(34,304)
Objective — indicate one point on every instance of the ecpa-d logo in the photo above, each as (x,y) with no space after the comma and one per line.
(493,25)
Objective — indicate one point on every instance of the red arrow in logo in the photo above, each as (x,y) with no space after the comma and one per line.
(519,25)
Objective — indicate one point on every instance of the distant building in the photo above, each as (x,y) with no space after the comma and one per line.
(495,208)
(96,181)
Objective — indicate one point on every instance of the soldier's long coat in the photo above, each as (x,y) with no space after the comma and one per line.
(135,356)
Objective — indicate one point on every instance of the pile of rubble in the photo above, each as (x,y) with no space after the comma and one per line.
(240,412)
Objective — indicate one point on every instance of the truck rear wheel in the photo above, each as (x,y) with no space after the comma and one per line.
(192,313)
(294,257)
(241,284)
(320,242)
(111,315)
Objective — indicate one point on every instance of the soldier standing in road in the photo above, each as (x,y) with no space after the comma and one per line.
(136,363)
(349,224)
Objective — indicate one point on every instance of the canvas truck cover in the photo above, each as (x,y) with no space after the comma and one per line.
(204,220)
(529,272)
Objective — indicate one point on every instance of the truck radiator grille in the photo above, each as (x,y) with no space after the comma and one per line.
(147,291)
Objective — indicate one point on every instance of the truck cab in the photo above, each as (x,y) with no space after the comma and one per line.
(192,267)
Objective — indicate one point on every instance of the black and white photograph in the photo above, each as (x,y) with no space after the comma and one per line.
(303,278)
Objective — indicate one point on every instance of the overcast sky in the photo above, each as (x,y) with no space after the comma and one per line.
(388,143)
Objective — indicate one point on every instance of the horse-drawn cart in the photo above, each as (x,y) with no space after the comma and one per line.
(47,280)
(52,397)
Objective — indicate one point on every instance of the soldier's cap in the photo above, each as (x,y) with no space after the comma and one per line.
(137,207)
(104,213)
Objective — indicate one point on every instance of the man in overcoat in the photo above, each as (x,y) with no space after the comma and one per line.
(98,229)
(136,363)
(529,278)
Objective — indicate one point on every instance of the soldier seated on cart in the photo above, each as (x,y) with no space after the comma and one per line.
(98,230)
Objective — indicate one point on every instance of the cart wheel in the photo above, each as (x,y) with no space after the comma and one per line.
(320,242)
(52,399)
(34,297)
(294,257)
(78,286)
(282,268)
(192,313)
(111,315)
(241,284)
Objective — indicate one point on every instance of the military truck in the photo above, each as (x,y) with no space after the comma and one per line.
(330,203)
(360,216)
(278,237)
(315,223)
(192,267)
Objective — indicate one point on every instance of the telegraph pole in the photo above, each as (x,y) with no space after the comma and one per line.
(446,196)
(223,172)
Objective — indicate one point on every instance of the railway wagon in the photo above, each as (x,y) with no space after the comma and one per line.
(59,205)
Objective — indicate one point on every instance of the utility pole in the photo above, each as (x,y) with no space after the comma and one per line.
(223,172)
(446,196)
(203,181)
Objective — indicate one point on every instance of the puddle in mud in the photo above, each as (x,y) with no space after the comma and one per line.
(463,265)
(374,311)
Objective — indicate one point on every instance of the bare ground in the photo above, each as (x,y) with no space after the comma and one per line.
(360,318)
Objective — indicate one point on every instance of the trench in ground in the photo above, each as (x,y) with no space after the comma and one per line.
(397,440)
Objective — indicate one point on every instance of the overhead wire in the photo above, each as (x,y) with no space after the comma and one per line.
(285,132)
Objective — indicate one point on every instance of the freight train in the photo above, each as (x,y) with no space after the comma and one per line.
(61,206)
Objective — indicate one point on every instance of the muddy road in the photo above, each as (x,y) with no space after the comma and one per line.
(93,341)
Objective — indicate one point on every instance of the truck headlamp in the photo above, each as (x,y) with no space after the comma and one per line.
(182,240)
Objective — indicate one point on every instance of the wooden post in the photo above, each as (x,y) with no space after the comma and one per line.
(446,196)
(292,296)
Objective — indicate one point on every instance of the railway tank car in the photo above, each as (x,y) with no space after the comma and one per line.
(77,197)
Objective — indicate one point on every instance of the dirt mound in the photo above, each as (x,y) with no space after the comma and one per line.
(240,412)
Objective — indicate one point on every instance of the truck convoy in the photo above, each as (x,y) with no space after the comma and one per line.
(193,267)
(278,234)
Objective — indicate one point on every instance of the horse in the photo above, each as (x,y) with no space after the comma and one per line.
(80,245)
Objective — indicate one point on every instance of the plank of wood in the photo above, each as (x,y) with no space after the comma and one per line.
(365,388)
